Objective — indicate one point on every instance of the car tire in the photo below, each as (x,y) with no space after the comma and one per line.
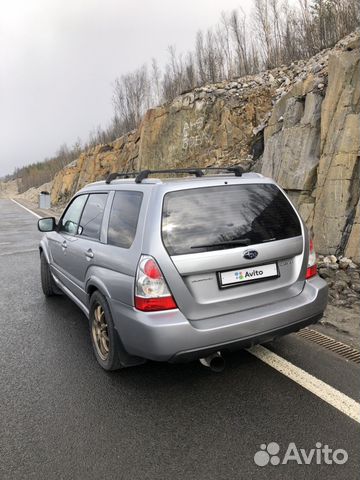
(47,282)
(104,337)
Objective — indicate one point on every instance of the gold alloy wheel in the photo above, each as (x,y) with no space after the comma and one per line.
(100,333)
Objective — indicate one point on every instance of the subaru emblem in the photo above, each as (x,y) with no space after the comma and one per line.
(250,254)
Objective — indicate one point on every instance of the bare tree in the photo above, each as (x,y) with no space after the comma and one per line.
(131,97)
(263,28)
(200,57)
(238,29)
(155,81)
(190,79)
(223,34)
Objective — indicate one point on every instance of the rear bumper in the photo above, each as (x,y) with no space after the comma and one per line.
(189,355)
(169,336)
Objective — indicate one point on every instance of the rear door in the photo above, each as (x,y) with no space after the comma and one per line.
(235,247)
(122,251)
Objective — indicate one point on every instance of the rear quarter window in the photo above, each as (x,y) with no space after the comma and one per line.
(229,216)
(124,218)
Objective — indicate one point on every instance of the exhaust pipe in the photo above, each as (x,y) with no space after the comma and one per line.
(215,362)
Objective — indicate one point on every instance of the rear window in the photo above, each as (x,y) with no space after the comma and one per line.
(215,218)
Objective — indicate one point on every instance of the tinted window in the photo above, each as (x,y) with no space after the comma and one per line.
(70,221)
(123,218)
(243,214)
(91,219)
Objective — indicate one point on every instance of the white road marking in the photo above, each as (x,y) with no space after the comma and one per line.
(333,397)
(27,209)
(19,252)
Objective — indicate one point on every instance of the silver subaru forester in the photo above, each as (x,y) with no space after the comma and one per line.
(182,268)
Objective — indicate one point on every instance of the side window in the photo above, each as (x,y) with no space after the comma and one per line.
(69,222)
(123,218)
(91,219)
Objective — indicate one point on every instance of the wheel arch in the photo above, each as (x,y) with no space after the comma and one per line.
(43,249)
(95,284)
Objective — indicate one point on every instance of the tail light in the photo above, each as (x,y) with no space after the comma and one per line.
(151,290)
(311,270)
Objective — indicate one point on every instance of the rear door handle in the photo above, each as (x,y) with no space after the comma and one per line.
(89,253)
(64,244)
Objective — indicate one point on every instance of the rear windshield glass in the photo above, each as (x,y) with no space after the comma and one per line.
(215,218)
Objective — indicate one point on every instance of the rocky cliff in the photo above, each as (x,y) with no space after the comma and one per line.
(312,148)
(298,124)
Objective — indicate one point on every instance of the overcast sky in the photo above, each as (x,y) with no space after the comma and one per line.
(59,59)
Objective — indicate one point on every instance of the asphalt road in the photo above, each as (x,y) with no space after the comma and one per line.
(62,417)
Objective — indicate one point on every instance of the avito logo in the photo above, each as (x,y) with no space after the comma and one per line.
(322,454)
(254,273)
(239,275)
(248,275)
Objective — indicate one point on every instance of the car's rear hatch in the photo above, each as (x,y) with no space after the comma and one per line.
(235,247)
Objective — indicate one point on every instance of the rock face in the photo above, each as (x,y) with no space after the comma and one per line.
(312,150)
(292,144)
(298,124)
(337,196)
(94,165)
(201,128)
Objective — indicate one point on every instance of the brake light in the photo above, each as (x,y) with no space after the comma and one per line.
(151,290)
(311,270)
(151,269)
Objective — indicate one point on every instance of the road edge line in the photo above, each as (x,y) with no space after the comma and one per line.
(25,208)
(325,392)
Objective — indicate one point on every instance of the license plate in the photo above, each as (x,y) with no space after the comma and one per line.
(248,275)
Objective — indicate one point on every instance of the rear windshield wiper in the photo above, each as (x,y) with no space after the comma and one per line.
(245,242)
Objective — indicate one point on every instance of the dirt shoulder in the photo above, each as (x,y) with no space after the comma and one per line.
(341,324)
(342,315)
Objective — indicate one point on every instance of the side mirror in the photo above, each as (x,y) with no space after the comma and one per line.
(70,227)
(47,224)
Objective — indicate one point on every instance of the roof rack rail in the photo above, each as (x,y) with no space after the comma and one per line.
(192,171)
(237,170)
(114,175)
(198,172)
